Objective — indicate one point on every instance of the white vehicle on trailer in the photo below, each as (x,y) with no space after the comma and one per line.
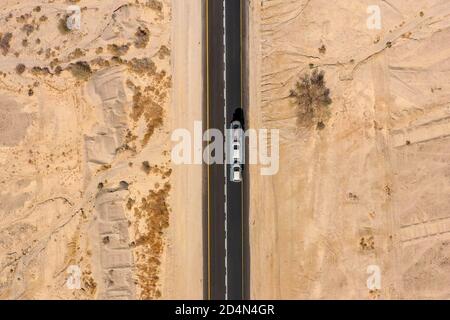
(236,149)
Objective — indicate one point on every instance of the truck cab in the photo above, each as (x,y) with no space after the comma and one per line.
(236,173)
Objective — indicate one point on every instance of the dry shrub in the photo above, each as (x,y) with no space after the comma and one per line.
(322,49)
(28,29)
(155,5)
(4,42)
(81,70)
(20,68)
(163,52)
(312,98)
(77,53)
(144,105)
(146,167)
(40,71)
(142,38)
(62,25)
(89,284)
(118,50)
(142,66)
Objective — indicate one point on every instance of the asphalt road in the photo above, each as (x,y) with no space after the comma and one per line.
(226,215)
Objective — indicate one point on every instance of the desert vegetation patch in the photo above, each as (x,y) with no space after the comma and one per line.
(312,99)
(153,212)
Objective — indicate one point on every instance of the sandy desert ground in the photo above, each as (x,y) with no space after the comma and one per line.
(87,188)
(364,181)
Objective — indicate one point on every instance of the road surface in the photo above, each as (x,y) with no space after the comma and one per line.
(227,254)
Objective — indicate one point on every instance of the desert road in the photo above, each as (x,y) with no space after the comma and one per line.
(227,214)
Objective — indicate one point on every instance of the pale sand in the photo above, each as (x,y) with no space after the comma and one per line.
(86,177)
(183,278)
(372,187)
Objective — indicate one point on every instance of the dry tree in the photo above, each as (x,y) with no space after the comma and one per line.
(312,98)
